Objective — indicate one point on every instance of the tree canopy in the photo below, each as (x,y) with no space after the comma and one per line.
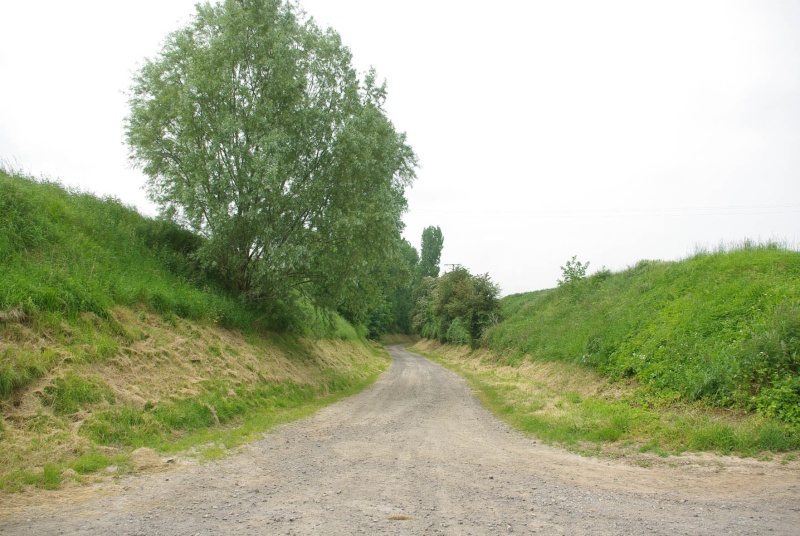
(431,252)
(255,131)
(456,307)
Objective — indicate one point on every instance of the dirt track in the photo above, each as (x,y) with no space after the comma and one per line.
(417,454)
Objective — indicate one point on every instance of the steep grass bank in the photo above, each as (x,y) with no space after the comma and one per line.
(112,338)
(171,384)
(574,406)
(720,328)
(65,255)
(69,252)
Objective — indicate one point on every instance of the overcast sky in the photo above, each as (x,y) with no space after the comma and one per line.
(614,131)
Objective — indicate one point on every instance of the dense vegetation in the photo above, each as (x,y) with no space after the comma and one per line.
(722,328)
(409,273)
(64,254)
(457,307)
(281,187)
(68,252)
(256,133)
(94,298)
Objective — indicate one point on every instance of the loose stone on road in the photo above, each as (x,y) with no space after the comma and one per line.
(416,453)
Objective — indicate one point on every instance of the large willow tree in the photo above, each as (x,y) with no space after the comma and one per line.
(254,130)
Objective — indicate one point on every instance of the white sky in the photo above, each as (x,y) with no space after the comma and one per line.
(611,130)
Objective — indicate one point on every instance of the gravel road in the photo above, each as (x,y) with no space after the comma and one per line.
(416,453)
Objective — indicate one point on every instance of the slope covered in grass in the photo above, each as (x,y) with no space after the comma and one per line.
(64,254)
(170,384)
(576,407)
(113,339)
(70,252)
(722,328)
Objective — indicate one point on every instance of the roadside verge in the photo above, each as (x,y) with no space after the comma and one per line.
(574,407)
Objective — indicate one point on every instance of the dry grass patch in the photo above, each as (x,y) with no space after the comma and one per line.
(550,383)
(576,407)
(168,380)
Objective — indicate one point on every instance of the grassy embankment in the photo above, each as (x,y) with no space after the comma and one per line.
(111,340)
(697,355)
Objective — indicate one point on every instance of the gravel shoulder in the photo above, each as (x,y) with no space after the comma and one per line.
(416,453)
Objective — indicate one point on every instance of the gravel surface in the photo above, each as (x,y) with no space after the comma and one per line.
(416,453)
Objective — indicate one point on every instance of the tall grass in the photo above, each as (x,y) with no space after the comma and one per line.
(570,405)
(112,337)
(65,254)
(69,252)
(67,429)
(720,327)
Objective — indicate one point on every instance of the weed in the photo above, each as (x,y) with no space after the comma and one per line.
(50,478)
(212,453)
(91,462)
(654,446)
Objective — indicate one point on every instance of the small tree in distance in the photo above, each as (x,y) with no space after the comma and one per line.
(431,252)
(457,307)
(573,271)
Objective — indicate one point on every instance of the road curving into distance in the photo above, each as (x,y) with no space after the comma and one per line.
(416,453)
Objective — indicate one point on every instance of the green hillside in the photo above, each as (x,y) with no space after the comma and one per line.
(722,328)
(112,338)
(69,252)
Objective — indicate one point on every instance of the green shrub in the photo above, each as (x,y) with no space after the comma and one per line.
(458,301)
(457,333)
(573,271)
(781,400)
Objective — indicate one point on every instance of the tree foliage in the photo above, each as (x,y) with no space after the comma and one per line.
(573,271)
(401,298)
(390,312)
(456,307)
(255,131)
(431,252)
